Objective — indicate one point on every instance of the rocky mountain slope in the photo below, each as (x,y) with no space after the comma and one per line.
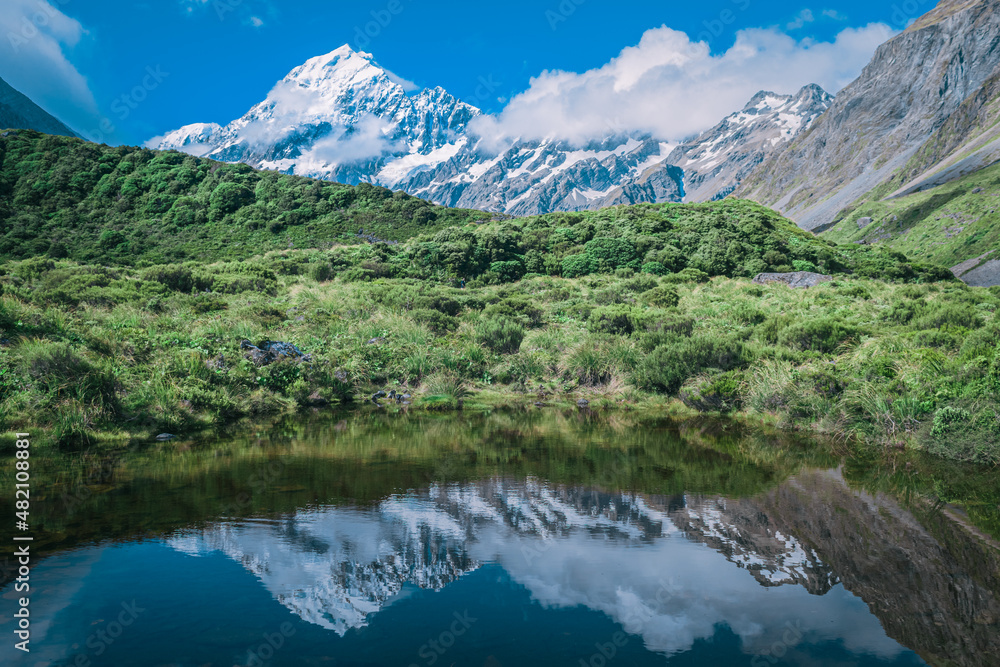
(342,117)
(717,161)
(922,112)
(17,111)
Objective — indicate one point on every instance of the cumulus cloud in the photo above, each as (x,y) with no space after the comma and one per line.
(34,38)
(366,140)
(671,87)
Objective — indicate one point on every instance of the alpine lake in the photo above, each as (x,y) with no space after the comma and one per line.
(507,539)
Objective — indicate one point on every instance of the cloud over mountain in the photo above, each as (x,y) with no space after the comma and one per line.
(672,87)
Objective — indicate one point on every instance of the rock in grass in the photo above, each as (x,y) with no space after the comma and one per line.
(864,222)
(269,351)
(803,279)
(582,403)
(163,437)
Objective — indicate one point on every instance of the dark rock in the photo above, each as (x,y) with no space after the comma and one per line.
(378,394)
(317,401)
(976,191)
(377,341)
(269,351)
(803,279)
(582,403)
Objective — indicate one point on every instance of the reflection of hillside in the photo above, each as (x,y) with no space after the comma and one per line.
(748,538)
(934,586)
(611,552)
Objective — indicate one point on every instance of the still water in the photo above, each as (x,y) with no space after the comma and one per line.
(509,540)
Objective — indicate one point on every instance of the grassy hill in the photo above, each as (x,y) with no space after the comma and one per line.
(946,225)
(65,197)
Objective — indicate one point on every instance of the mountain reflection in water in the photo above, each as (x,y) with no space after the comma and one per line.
(804,569)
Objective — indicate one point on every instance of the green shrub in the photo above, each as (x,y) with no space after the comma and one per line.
(229,197)
(655,268)
(607,254)
(500,336)
(575,266)
(689,275)
(939,314)
(662,297)
(820,335)
(708,393)
(517,308)
(617,320)
(436,321)
(321,272)
(946,418)
(667,367)
(507,271)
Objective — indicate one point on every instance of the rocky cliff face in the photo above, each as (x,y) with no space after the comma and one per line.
(342,117)
(17,111)
(716,162)
(879,135)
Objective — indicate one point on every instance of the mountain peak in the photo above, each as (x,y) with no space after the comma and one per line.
(343,65)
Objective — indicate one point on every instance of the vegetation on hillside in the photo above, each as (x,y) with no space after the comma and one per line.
(946,225)
(68,198)
(89,351)
(101,335)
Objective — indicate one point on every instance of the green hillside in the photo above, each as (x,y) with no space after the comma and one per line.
(65,197)
(946,225)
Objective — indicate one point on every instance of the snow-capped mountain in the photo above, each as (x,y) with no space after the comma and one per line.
(342,117)
(716,162)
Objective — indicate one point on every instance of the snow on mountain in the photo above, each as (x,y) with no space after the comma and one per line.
(342,117)
(716,162)
(336,566)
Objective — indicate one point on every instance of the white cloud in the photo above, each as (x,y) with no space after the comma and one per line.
(256,21)
(672,87)
(834,14)
(34,38)
(366,140)
(406,84)
(804,17)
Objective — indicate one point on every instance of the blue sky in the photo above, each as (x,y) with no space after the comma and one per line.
(210,60)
